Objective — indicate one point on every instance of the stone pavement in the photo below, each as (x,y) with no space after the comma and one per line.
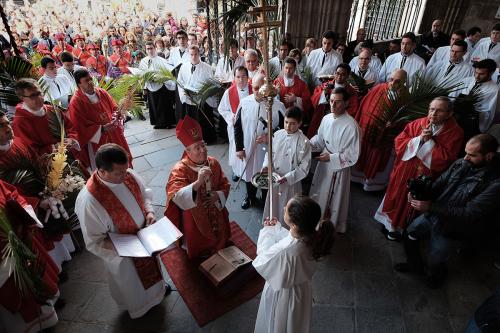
(355,289)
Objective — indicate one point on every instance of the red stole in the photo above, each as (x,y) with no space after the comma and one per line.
(234,97)
(146,268)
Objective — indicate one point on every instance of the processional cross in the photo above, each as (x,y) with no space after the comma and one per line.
(267,91)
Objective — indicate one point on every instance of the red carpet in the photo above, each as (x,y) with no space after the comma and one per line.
(205,301)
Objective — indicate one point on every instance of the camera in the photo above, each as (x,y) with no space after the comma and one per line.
(420,188)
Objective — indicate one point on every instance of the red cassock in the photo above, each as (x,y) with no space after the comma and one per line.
(299,89)
(448,143)
(34,131)
(320,109)
(81,55)
(373,158)
(206,230)
(121,61)
(10,297)
(88,119)
(98,63)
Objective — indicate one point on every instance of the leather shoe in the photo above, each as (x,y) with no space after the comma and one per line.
(235,178)
(168,289)
(246,203)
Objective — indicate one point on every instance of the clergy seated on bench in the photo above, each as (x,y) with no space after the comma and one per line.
(462,210)
(116,199)
(197,191)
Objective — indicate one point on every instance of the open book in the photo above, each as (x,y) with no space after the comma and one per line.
(222,264)
(147,241)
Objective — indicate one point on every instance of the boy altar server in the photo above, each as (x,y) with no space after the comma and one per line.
(291,160)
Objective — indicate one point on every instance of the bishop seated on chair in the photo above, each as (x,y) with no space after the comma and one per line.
(197,191)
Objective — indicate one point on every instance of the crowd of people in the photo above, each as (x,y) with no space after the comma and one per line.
(441,173)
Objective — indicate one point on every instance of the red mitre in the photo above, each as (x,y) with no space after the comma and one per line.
(188,131)
(77,37)
(92,46)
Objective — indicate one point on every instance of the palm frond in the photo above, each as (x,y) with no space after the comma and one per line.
(209,88)
(56,122)
(274,72)
(17,68)
(400,108)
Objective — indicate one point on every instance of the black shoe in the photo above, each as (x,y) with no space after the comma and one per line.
(246,203)
(394,236)
(170,126)
(159,127)
(59,304)
(141,117)
(235,178)
(168,289)
(127,118)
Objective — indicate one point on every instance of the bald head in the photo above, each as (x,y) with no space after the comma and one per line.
(257,82)
(364,59)
(397,79)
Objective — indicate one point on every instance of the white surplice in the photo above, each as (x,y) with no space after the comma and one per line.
(177,56)
(63,71)
(226,112)
(250,112)
(487,104)
(124,282)
(459,72)
(224,71)
(483,51)
(288,268)
(194,80)
(319,67)
(413,65)
(443,54)
(375,63)
(155,64)
(338,137)
(291,160)
(57,89)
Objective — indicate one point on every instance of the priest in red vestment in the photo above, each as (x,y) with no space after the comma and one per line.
(27,312)
(33,121)
(120,59)
(80,52)
(376,159)
(427,146)
(96,117)
(292,90)
(96,63)
(321,96)
(197,191)
(60,47)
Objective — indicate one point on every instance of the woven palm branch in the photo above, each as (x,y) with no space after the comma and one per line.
(274,72)
(398,109)
(360,83)
(11,70)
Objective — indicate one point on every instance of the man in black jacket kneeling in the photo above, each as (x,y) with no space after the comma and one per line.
(463,208)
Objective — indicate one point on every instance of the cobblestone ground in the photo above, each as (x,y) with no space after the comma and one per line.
(355,289)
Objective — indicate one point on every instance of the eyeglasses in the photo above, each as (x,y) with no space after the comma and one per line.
(35,95)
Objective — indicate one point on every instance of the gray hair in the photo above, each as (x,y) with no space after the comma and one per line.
(250,52)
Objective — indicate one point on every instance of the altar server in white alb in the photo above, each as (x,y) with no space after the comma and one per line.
(406,59)
(192,75)
(363,67)
(453,70)
(226,66)
(161,96)
(338,141)
(482,85)
(287,261)
(115,199)
(239,89)
(488,48)
(250,134)
(324,61)
(291,161)
(443,52)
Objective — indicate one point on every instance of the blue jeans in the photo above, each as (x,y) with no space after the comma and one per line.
(440,248)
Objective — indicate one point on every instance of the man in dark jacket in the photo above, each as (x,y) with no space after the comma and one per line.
(463,209)
(431,40)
